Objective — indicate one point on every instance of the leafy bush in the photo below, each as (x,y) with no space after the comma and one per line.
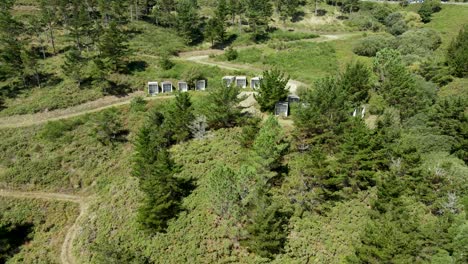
(231,54)
(138,104)
(419,42)
(108,127)
(165,63)
(364,22)
(54,130)
(370,45)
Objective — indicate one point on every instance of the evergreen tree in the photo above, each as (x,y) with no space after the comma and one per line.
(223,194)
(267,230)
(113,47)
(457,54)
(356,81)
(259,14)
(31,66)
(273,88)
(325,108)
(155,170)
(286,8)
(109,128)
(181,116)
(162,13)
(397,84)
(222,107)
(74,64)
(355,160)
(10,43)
(162,192)
(188,21)
(269,144)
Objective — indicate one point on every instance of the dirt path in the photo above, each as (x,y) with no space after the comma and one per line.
(86,108)
(66,253)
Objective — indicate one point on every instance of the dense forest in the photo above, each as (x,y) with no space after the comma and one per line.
(370,165)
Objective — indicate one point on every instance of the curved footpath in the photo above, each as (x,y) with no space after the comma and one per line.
(66,254)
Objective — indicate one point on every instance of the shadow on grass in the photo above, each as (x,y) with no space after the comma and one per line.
(12,237)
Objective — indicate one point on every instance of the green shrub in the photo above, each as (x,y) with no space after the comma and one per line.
(376,104)
(165,63)
(369,46)
(231,54)
(108,127)
(364,22)
(138,104)
(419,42)
(54,130)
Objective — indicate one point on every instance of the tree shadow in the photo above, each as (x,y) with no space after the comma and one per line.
(321,12)
(226,43)
(12,238)
(137,66)
(298,16)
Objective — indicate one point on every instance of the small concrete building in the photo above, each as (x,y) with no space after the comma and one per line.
(200,85)
(282,109)
(293,99)
(241,81)
(228,80)
(255,82)
(183,86)
(153,88)
(166,87)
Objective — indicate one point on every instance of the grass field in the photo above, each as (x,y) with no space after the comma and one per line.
(448,22)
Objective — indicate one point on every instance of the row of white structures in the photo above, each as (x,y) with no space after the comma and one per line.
(155,88)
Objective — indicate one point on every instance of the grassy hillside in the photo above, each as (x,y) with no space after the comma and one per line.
(45,224)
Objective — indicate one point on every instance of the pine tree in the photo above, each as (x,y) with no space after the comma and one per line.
(259,14)
(162,13)
(325,108)
(188,21)
(223,194)
(457,54)
(10,43)
(155,169)
(222,107)
(269,144)
(286,8)
(397,84)
(113,47)
(181,116)
(273,88)
(267,230)
(74,64)
(162,193)
(356,80)
(31,66)
(355,159)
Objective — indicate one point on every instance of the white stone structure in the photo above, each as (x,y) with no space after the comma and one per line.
(255,82)
(153,88)
(241,81)
(183,86)
(166,87)
(228,80)
(200,85)
(282,109)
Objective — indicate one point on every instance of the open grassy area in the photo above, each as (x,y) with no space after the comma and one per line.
(45,224)
(447,22)
(304,61)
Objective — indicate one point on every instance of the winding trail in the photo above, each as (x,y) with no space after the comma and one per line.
(66,253)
